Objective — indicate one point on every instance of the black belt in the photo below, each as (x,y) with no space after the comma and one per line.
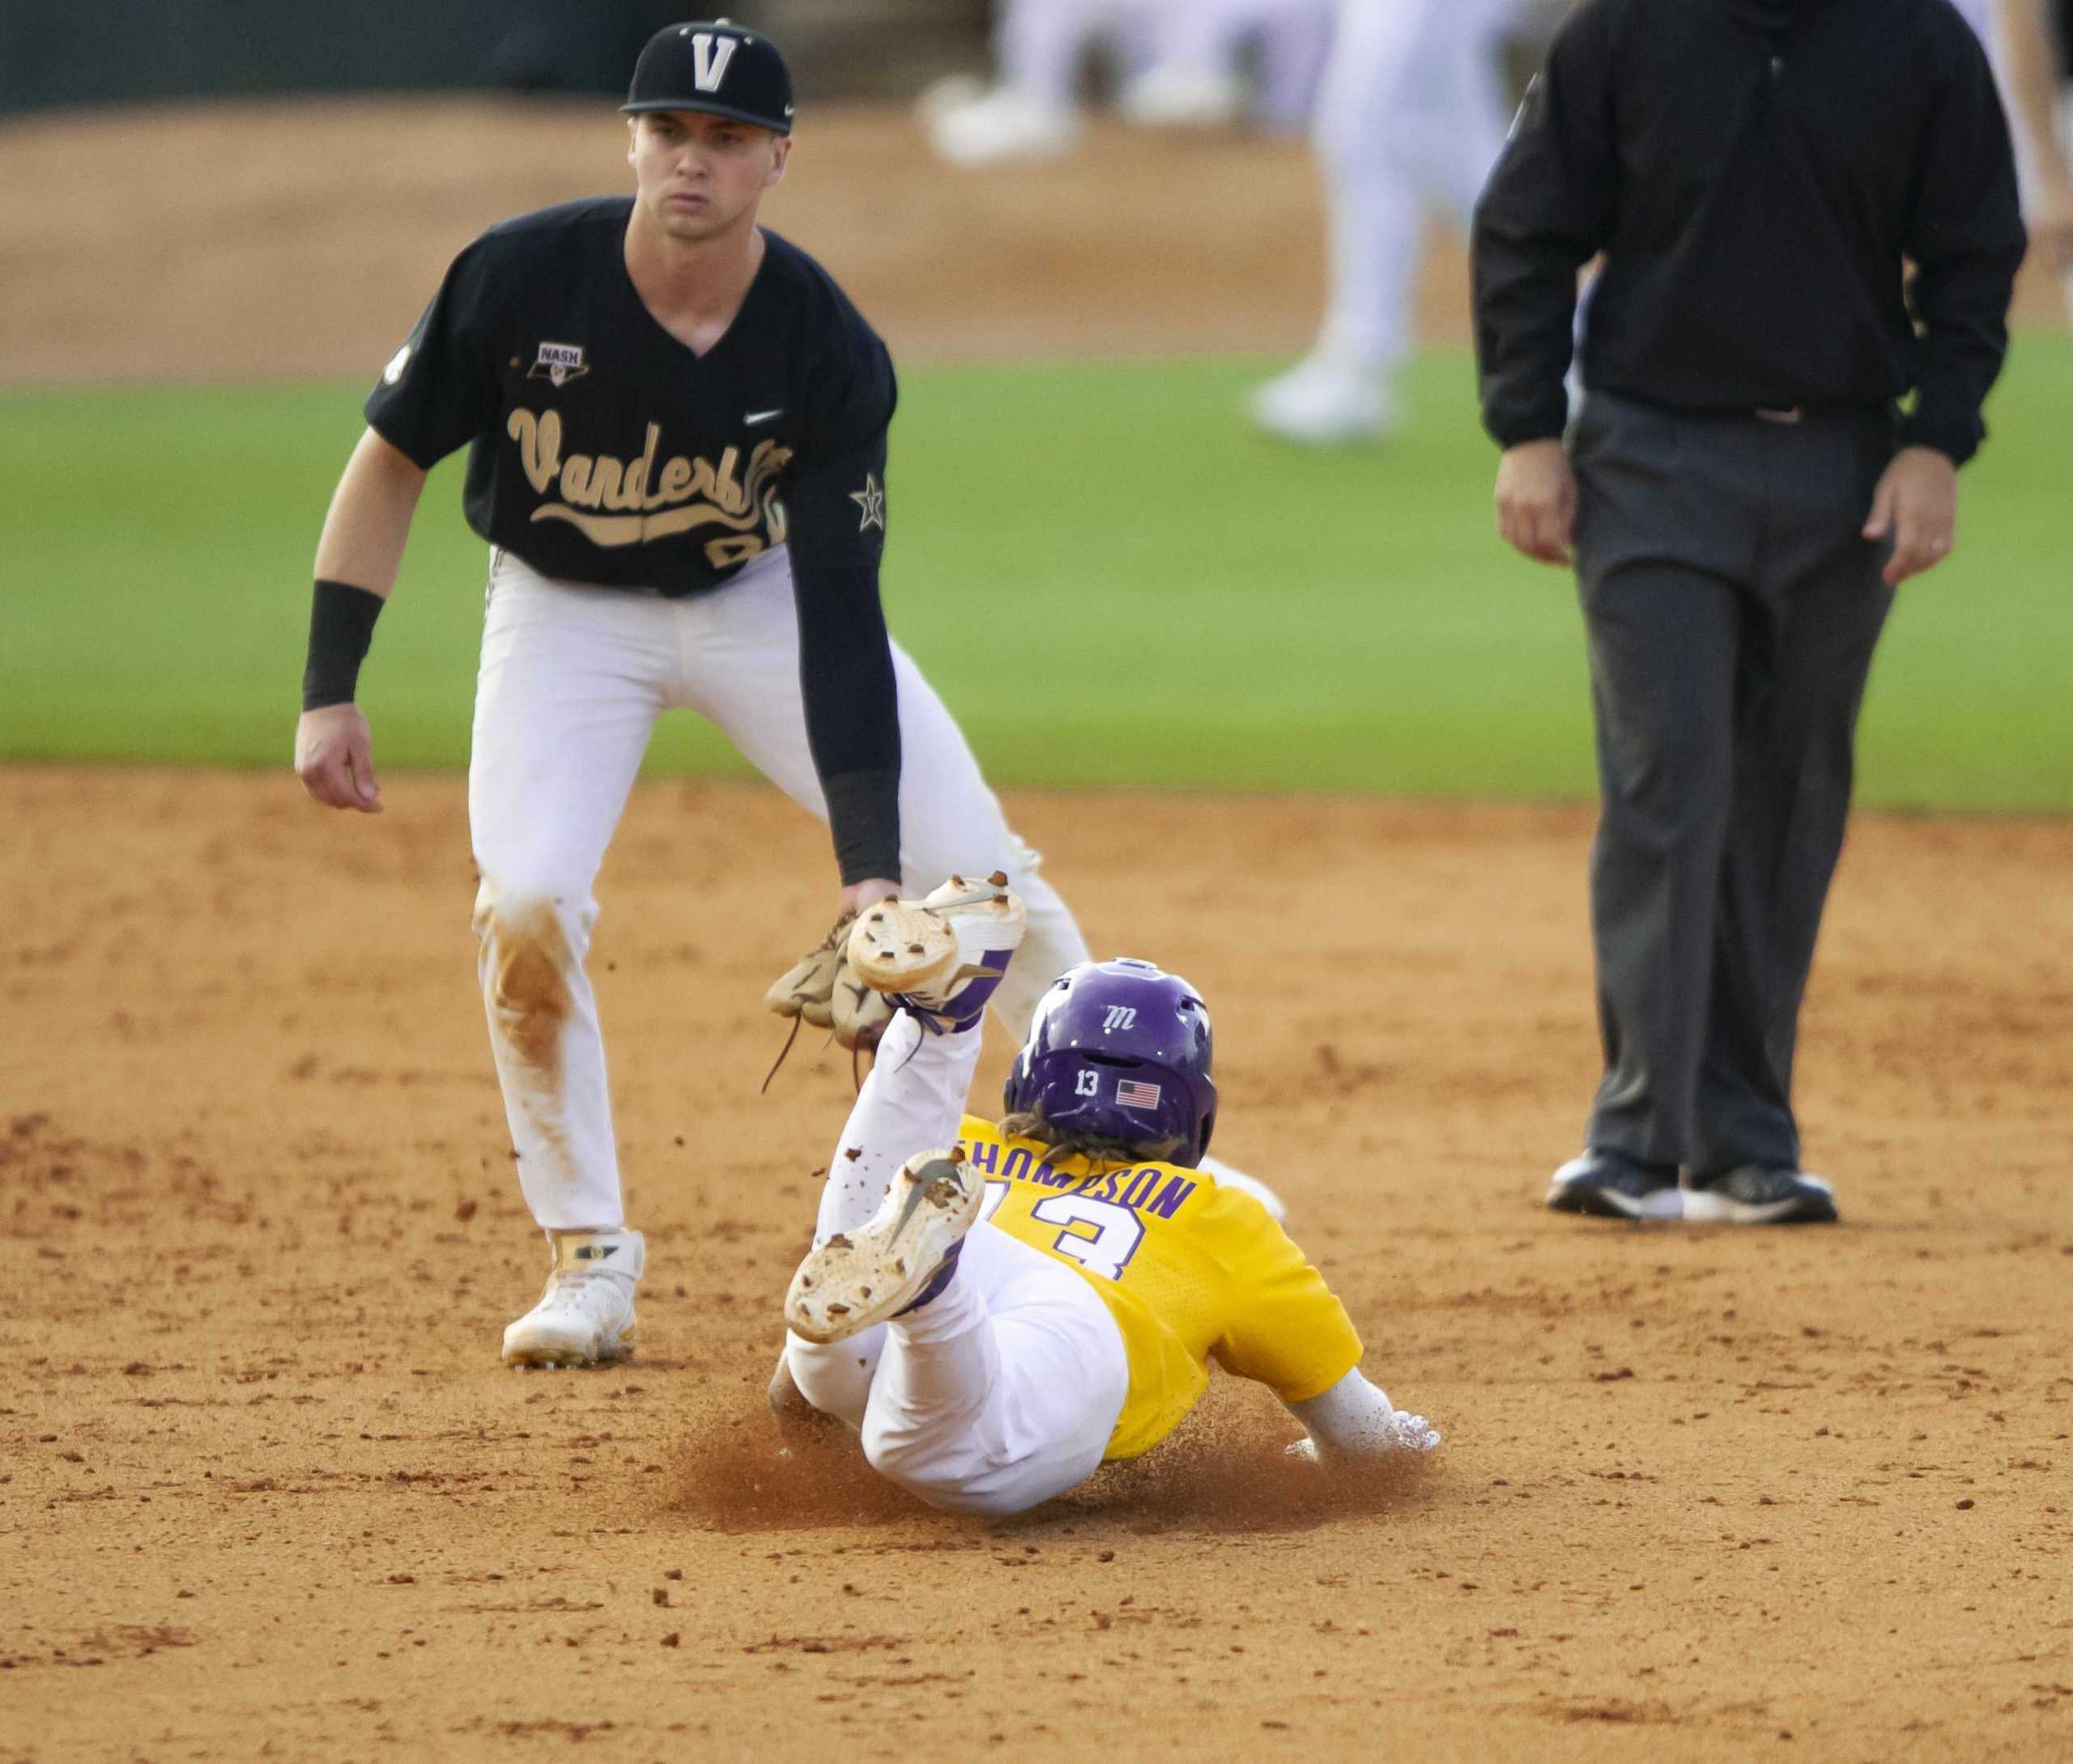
(1787,415)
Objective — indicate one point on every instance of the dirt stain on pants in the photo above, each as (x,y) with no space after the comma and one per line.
(525,965)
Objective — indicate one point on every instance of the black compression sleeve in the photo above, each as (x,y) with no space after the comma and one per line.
(852,714)
(341,626)
(863,814)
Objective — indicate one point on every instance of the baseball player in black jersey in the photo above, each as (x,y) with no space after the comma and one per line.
(677,432)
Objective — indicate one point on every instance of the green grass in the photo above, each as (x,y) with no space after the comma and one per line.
(1108,575)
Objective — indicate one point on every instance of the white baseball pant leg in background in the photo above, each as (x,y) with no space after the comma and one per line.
(572,681)
(2066,143)
(1411,118)
(1292,37)
(2026,176)
(1002,1391)
(1040,45)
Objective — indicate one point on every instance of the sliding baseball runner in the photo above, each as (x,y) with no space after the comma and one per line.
(998,1307)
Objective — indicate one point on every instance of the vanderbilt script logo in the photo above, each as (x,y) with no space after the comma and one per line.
(615,502)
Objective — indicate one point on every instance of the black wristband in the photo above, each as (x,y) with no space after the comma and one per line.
(863,813)
(341,625)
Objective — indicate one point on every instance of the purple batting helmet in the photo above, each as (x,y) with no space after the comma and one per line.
(1120,1049)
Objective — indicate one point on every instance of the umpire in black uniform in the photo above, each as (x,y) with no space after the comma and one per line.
(1741,494)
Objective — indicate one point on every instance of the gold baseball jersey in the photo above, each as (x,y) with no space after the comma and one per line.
(1190,1272)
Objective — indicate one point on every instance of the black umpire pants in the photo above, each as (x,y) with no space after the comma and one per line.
(1732,609)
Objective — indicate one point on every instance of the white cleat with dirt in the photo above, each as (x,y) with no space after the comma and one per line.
(902,1258)
(585,1313)
(941,958)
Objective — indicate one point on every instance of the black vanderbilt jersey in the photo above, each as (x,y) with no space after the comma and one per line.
(604,450)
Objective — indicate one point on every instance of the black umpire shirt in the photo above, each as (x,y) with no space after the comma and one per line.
(603,451)
(1755,171)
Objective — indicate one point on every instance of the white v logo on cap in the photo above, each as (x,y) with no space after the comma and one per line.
(711,55)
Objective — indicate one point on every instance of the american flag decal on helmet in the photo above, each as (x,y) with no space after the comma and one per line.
(1133,1092)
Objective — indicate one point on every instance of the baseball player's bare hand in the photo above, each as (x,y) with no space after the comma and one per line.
(1917,503)
(334,758)
(1537,500)
(867,893)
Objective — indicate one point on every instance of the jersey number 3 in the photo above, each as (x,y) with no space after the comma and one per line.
(1099,1235)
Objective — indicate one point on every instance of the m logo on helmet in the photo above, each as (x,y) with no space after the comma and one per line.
(1120,1017)
(710,55)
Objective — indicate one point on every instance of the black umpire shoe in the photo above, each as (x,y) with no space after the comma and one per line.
(1611,1185)
(1756,1194)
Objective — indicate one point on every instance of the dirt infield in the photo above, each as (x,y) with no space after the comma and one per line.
(296,241)
(1705,1495)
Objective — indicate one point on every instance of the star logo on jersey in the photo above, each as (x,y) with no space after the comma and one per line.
(871,500)
(559,363)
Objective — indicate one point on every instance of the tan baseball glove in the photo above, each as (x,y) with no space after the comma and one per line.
(822,990)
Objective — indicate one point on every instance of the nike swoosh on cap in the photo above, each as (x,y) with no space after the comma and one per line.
(755,417)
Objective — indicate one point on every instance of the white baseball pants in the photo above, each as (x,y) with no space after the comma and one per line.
(572,679)
(1003,1391)
(1411,118)
(1039,44)
(1210,36)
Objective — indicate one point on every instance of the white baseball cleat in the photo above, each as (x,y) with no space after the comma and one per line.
(1003,127)
(953,92)
(1325,402)
(585,1313)
(1179,97)
(940,957)
(902,1258)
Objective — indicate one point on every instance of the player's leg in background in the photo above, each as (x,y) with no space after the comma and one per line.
(1192,78)
(569,688)
(1411,119)
(1293,49)
(2066,144)
(1041,44)
(1197,78)
(1002,1390)
(1462,109)
(1375,218)
(743,644)
(1032,111)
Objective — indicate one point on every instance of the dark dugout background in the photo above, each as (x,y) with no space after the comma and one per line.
(108,52)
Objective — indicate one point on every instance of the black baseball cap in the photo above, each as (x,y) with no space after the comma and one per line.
(713,66)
